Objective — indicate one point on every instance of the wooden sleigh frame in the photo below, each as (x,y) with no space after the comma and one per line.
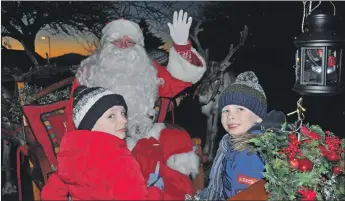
(40,164)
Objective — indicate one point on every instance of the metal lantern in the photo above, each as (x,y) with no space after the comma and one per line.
(319,57)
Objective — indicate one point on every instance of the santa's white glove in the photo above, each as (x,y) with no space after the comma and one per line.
(179,30)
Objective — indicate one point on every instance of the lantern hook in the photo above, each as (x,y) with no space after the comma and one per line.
(311,10)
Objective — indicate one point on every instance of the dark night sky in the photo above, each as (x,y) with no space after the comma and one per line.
(269,52)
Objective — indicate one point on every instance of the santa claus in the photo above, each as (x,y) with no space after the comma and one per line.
(122,65)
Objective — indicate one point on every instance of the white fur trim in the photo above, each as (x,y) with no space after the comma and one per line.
(122,27)
(185,163)
(181,69)
(155,132)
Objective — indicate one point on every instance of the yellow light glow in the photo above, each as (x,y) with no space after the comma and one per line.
(43,38)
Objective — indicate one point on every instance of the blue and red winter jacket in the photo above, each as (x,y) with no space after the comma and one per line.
(243,169)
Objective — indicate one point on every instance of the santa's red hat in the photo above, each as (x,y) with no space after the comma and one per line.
(119,28)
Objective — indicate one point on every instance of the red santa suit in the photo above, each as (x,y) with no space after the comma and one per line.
(185,68)
(177,159)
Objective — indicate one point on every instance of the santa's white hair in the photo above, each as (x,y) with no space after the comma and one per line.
(128,72)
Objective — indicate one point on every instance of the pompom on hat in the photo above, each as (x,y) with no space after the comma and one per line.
(89,105)
(119,28)
(247,92)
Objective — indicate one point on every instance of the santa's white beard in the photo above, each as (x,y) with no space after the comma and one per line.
(128,72)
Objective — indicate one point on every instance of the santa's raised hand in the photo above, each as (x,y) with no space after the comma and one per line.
(179,29)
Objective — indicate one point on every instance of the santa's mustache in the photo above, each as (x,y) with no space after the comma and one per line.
(127,54)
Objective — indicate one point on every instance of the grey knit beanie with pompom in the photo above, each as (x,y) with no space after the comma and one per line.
(247,92)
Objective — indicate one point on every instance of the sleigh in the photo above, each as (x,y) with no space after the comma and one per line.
(44,127)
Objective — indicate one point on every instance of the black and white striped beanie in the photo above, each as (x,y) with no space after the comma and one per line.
(89,105)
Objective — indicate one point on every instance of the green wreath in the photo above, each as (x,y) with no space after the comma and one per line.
(306,163)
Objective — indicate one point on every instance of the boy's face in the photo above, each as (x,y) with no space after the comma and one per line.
(237,119)
(113,121)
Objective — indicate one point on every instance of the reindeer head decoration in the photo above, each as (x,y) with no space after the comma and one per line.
(212,84)
(215,79)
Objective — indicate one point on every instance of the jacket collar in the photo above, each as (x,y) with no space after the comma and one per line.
(98,138)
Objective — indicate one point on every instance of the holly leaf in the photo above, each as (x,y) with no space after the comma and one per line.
(340,191)
(282,137)
(276,164)
(323,168)
(292,196)
(304,178)
(256,142)
(318,130)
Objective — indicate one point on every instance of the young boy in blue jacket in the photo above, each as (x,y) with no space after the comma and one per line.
(243,108)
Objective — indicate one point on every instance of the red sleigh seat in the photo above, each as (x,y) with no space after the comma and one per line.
(46,127)
(47,123)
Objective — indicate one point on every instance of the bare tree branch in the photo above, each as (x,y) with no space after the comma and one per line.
(91,44)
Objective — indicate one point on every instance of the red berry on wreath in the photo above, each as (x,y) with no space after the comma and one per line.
(324,151)
(313,135)
(294,163)
(295,144)
(292,137)
(333,156)
(307,194)
(305,165)
(336,170)
(304,129)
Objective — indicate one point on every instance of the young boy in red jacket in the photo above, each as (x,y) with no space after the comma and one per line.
(94,162)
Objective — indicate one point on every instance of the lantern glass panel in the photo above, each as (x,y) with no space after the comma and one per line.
(298,66)
(312,65)
(319,66)
(334,58)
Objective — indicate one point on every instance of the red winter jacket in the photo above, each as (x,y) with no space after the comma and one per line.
(176,184)
(97,166)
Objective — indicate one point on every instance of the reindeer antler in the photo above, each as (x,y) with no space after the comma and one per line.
(226,62)
(194,37)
